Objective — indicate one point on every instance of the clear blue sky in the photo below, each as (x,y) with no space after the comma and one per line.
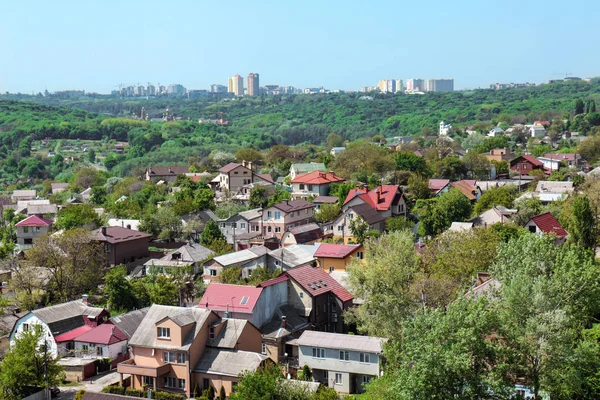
(95,45)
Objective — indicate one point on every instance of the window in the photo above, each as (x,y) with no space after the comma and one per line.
(310,187)
(250,272)
(25,229)
(338,378)
(180,358)
(532,228)
(181,383)
(149,381)
(365,357)
(366,379)
(164,333)
(211,332)
(84,347)
(25,327)
(213,272)
(318,352)
(344,355)
(244,300)
(326,375)
(269,214)
(168,357)
(301,186)
(331,269)
(360,255)
(170,382)
(301,295)
(235,173)
(340,228)
(277,229)
(277,214)
(243,225)
(277,263)
(350,215)
(269,229)
(234,386)
(36,229)
(263,348)
(99,351)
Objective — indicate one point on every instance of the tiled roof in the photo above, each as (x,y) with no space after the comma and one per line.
(169,170)
(266,177)
(548,224)
(117,234)
(34,220)
(528,158)
(466,187)
(325,200)
(438,184)
(274,281)
(561,157)
(386,193)
(102,334)
(315,281)
(72,334)
(329,250)
(293,205)
(307,233)
(220,297)
(368,213)
(317,178)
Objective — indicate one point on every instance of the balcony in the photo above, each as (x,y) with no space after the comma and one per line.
(129,367)
(291,362)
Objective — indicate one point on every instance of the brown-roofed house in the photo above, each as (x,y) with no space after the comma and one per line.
(314,183)
(123,245)
(303,234)
(279,218)
(166,174)
(469,188)
(523,165)
(234,176)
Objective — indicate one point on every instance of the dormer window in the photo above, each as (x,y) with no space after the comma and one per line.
(163,333)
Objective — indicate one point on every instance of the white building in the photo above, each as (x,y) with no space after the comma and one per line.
(445,129)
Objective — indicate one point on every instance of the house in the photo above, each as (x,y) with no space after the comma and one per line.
(554,187)
(122,245)
(129,322)
(313,184)
(315,295)
(239,224)
(61,323)
(495,215)
(189,256)
(503,154)
(524,164)
(20,195)
(497,131)
(59,187)
(469,188)
(343,362)
(302,234)
(439,186)
(281,217)
(336,257)
(248,259)
(125,223)
(460,227)
(546,223)
(572,160)
(166,174)
(537,131)
(179,349)
(336,150)
(103,341)
(86,194)
(233,176)
(31,228)
(321,200)
(341,226)
(292,256)
(243,194)
(43,210)
(119,149)
(550,164)
(387,200)
(305,168)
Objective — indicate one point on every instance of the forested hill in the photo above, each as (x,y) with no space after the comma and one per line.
(293,119)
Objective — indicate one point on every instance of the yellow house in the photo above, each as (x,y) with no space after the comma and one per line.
(336,257)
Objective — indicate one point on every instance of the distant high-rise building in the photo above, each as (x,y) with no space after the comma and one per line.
(387,86)
(176,89)
(236,85)
(216,88)
(415,85)
(440,85)
(151,90)
(399,86)
(253,85)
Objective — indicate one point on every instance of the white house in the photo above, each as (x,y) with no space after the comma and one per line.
(445,129)
(103,341)
(537,131)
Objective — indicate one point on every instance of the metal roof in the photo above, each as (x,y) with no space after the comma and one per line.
(222,297)
(229,335)
(368,344)
(66,310)
(129,322)
(227,362)
(236,258)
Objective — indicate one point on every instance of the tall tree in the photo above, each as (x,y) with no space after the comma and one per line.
(78,216)
(583,226)
(211,233)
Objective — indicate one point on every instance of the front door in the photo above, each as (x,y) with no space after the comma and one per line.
(205,383)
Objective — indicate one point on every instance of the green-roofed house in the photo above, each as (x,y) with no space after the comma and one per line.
(300,169)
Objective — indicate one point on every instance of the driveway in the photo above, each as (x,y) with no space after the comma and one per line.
(93,384)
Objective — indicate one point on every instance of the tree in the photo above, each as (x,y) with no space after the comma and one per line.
(399,224)
(204,199)
(87,177)
(27,282)
(231,275)
(163,290)
(118,290)
(211,233)
(163,223)
(409,161)
(477,165)
(222,395)
(74,260)
(359,228)
(579,106)
(258,197)
(78,216)
(334,140)
(498,196)
(27,364)
(365,158)
(248,154)
(384,281)
(437,214)
(92,156)
(582,228)
(327,212)
(305,374)
(418,187)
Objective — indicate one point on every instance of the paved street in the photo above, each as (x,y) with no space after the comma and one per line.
(94,384)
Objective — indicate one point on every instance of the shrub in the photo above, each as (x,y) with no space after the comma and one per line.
(79,395)
(135,393)
(113,389)
(222,395)
(168,396)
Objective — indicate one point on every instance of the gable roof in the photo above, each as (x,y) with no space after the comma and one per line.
(563,156)
(223,297)
(386,193)
(266,177)
(145,335)
(72,334)
(66,310)
(303,168)
(306,233)
(548,224)
(330,250)
(170,170)
(230,167)
(118,234)
(42,209)
(237,257)
(227,362)
(34,220)
(315,282)
(293,205)
(368,213)
(230,333)
(368,344)
(466,187)
(438,184)
(317,178)
(189,253)
(129,322)
(529,158)
(325,200)
(102,334)
(24,193)
(295,254)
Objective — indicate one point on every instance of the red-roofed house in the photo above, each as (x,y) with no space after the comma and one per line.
(234,175)
(336,257)
(439,186)
(546,223)
(523,165)
(103,341)
(314,183)
(31,228)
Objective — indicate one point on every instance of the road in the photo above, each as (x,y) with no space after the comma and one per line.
(94,384)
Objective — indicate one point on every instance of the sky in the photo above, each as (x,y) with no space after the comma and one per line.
(97,45)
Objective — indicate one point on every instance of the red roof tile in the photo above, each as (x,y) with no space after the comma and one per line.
(548,224)
(317,178)
(386,196)
(102,334)
(218,296)
(315,281)
(71,335)
(329,250)
(34,220)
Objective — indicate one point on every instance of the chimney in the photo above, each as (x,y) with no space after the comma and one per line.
(112,331)
(84,299)
(243,163)
(377,196)
(249,164)
(283,322)
(104,230)
(226,315)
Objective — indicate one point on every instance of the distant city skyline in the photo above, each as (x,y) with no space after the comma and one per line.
(82,45)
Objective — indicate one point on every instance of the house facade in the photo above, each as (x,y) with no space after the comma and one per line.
(523,165)
(279,218)
(233,177)
(343,362)
(30,229)
(166,174)
(123,245)
(336,257)
(313,184)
